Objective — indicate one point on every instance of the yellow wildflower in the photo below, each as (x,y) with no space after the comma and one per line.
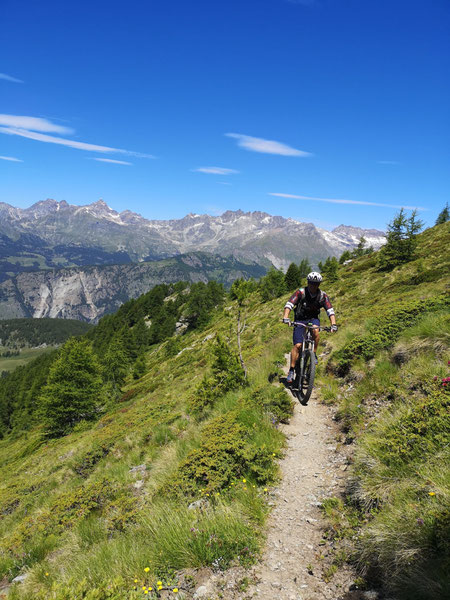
(175,590)
(46,574)
(159,583)
(431,494)
(147,569)
(244,481)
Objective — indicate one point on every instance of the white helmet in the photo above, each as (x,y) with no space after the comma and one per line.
(314,277)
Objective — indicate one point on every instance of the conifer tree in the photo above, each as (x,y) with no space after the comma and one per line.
(360,248)
(443,216)
(345,256)
(140,367)
(272,285)
(400,241)
(292,277)
(115,362)
(304,268)
(330,269)
(73,389)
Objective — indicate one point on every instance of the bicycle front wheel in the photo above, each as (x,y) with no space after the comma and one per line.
(306,382)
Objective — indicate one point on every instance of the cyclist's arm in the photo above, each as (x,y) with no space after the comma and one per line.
(291,304)
(329,308)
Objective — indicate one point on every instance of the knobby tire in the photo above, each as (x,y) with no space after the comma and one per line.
(306,382)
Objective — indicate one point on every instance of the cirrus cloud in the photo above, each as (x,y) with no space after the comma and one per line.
(343,201)
(214,170)
(10,158)
(263,146)
(6,77)
(35,128)
(33,124)
(111,160)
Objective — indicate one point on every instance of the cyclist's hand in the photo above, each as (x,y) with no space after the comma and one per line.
(287,321)
(333,328)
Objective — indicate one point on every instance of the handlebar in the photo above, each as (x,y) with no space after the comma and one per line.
(300,324)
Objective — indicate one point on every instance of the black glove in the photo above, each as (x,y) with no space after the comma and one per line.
(287,321)
(334,328)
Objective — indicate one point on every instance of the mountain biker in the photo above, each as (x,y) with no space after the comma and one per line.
(307,302)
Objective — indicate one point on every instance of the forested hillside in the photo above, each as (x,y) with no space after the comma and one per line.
(164,461)
(22,333)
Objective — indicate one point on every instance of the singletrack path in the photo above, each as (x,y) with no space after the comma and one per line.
(295,560)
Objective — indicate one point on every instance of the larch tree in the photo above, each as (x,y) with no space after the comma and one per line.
(73,390)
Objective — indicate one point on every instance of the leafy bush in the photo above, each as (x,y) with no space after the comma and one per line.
(274,401)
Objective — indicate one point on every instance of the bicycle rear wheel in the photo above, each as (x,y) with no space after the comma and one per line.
(306,382)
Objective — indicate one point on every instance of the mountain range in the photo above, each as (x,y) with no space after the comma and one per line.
(55,234)
(81,262)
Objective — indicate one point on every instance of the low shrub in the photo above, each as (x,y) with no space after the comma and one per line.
(384,331)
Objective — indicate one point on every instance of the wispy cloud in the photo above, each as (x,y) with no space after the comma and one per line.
(344,201)
(111,160)
(6,77)
(32,128)
(223,183)
(388,162)
(10,158)
(255,144)
(33,124)
(214,170)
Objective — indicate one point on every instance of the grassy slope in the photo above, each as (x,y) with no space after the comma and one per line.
(73,509)
(393,404)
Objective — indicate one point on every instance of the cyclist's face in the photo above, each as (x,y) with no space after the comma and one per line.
(313,287)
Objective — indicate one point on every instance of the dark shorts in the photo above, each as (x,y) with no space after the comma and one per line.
(299,332)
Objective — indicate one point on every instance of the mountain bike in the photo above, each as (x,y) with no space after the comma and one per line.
(305,367)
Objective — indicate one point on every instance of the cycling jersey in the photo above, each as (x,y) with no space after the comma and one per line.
(307,306)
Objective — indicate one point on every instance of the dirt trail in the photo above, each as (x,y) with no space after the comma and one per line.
(312,469)
(294,560)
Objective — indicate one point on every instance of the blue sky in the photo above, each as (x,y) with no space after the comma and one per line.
(327,111)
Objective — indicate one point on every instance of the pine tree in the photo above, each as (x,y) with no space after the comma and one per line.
(360,248)
(330,269)
(443,216)
(73,389)
(345,256)
(272,285)
(140,367)
(292,277)
(400,241)
(304,268)
(115,362)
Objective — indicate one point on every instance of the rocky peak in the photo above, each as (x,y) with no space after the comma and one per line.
(358,231)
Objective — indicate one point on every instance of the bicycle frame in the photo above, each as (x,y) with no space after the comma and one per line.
(304,375)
